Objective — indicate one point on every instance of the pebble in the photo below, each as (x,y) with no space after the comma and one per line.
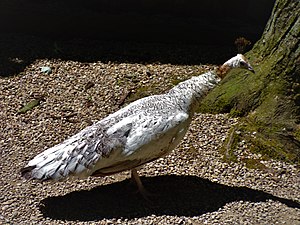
(218,192)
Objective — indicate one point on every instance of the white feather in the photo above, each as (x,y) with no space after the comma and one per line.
(143,131)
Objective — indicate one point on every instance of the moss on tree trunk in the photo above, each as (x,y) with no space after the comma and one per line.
(269,100)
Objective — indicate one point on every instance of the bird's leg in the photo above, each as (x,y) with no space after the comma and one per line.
(137,180)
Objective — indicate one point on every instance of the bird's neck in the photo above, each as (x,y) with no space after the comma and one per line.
(223,70)
(188,94)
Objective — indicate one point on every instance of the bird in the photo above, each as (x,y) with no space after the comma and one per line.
(139,133)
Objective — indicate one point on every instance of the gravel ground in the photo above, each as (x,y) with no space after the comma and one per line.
(192,185)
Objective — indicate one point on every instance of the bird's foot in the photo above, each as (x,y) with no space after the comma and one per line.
(141,189)
(148,196)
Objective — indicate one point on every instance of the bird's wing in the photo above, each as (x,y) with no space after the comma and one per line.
(151,136)
(102,150)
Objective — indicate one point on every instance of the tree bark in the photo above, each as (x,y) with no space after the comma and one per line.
(268,100)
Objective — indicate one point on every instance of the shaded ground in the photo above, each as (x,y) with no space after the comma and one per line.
(210,21)
(172,195)
(18,51)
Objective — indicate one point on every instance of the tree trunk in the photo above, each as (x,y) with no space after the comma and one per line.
(269,100)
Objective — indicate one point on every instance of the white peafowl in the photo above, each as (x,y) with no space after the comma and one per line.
(141,132)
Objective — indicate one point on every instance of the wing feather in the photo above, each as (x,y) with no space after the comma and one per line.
(151,137)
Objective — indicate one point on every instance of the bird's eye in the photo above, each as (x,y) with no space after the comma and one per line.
(242,63)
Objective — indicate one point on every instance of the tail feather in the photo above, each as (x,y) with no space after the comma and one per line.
(26,172)
(58,162)
(76,156)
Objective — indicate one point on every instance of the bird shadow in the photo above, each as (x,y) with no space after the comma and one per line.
(173,195)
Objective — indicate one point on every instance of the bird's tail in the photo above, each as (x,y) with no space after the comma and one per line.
(76,156)
(61,161)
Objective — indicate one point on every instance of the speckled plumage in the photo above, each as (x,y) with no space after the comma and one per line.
(143,131)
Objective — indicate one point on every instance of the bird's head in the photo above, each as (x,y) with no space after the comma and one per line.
(238,61)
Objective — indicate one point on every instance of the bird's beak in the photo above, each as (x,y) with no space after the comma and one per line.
(251,69)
